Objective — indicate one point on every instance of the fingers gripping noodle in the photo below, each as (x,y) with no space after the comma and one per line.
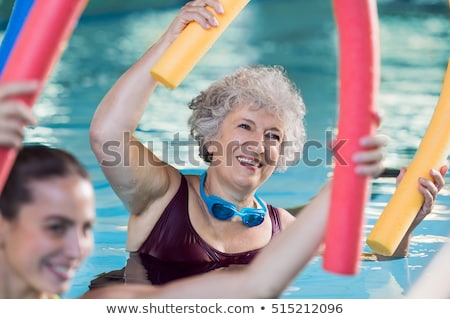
(192,44)
(18,16)
(406,201)
(357,23)
(41,41)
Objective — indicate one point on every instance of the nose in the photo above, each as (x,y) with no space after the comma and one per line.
(78,245)
(252,148)
(260,147)
(256,144)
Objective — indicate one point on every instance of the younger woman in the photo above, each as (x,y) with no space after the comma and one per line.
(46,215)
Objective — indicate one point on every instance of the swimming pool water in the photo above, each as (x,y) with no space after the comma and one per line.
(301,36)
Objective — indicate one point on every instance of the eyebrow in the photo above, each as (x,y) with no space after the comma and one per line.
(253,122)
(59,218)
(65,220)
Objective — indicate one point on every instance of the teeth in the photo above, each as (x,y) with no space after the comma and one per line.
(65,271)
(248,161)
(62,269)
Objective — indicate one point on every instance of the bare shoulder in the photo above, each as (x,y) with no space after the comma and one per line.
(286,217)
(144,218)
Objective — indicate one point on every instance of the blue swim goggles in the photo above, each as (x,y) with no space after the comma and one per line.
(223,210)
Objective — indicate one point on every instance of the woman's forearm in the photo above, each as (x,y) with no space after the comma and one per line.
(289,252)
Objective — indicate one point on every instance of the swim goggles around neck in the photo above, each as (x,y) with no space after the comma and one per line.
(223,210)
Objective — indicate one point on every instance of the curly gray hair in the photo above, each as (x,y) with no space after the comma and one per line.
(260,87)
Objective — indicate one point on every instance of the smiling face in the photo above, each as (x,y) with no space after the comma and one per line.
(266,87)
(248,145)
(51,235)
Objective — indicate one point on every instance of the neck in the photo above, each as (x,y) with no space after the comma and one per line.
(240,198)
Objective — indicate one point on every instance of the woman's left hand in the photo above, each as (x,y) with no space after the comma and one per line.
(369,161)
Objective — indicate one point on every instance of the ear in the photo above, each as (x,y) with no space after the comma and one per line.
(209,147)
(207,151)
(2,229)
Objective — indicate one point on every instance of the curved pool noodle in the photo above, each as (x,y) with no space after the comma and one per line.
(406,201)
(193,42)
(357,23)
(19,13)
(43,38)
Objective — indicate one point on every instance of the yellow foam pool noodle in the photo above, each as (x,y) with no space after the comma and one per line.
(194,41)
(406,201)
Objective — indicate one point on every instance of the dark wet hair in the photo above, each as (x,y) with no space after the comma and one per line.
(33,163)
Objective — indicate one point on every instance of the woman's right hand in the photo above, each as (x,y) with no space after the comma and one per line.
(194,11)
(14,114)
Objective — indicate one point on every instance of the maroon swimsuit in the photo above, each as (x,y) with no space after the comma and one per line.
(174,249)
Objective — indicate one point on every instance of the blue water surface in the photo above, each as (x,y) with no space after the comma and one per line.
(301,36)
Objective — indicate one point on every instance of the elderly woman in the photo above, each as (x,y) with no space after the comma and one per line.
(248,125)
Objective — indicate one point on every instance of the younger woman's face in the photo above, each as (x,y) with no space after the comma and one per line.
(52,235)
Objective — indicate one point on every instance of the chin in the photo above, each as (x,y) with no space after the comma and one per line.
(57,289)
